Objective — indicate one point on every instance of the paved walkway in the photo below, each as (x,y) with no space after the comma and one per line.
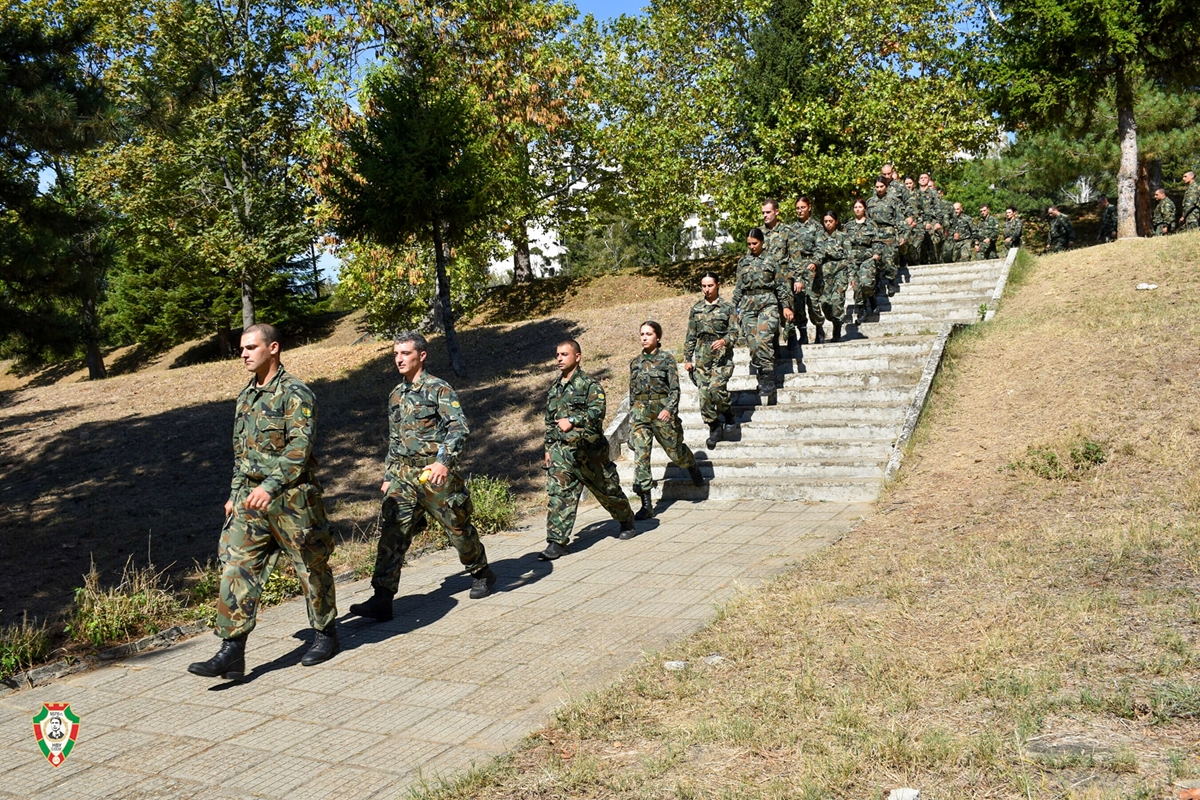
(448,683)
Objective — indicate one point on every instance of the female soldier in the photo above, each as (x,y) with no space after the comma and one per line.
(761,290)
(862,241)
(831,258)
(708,355)
(654,414)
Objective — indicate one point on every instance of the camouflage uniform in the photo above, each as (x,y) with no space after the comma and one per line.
(903,200)
(889,221)
(579,457)
(1013,228)
(1190,210)
(653,387)
(778,247)
(802,242)
(273,431)
(1061,233)
(760,292)
(1164,217)
(426,425)
(960,249)
(1108,224)
(987,233)
(835,265)
(860,242)
(711,369)
(929,208)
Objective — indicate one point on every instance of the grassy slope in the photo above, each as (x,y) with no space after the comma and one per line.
(1001,628)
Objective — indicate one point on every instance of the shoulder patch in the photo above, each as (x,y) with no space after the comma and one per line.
(454,404)
(601,395)
(306,410)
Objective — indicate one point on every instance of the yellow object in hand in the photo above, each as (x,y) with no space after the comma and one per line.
(425,474)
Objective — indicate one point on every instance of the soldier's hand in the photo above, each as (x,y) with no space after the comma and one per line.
(228,507)
(438,473)
(258,499)
(797,287)
(386,485)
(788,314)
(718,344)
(688,366)
(564,424)
(547,460)
(664,416)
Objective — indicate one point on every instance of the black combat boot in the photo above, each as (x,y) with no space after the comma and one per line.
(731,421)
(324,647)
(379,607)
(820,334)
(482,584)
(553,550)
(647,509)
(837,332)
(714,435)
(628,531)
(228,663)
(803,333)
(893,286)
(694,474)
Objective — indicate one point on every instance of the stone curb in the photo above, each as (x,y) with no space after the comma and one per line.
(617,431)
(1000,284)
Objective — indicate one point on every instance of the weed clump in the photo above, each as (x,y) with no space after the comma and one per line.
(22,645)
(494,507)
(1069,460)
(140,604)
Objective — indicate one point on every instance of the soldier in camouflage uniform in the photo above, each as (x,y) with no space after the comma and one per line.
(806,285)
(708,356)
(1189,212)
(987,233)
(861,241)
(1108,220)
(1163,218)
(760,292)
(931,215)
(654,414)
(885,213)
(916,229)
(833,259)
(960,236)
(577,453)
(1013,228)
(426,434)
(778,247)
(274,507)
(1062,235)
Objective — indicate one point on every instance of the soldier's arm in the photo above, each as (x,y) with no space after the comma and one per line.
(239,480)
(689,345)
(737,287)
(300,423)
(551,419)
(393,433)
(783,285)
(596,406)
(457,430)
(672,402)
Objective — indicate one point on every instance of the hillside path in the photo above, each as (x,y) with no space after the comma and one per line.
(448,683)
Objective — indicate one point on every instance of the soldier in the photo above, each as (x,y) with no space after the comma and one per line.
(861,241)
(1062,235)
(898,191)
(1189,218)
(274,506)
(760,292)
(833,259)
(961,233)
(426,434)
(1108,221)
(777,246)
(577,453)
(884,212)
(987,232)
(806,286)
(1163,218)
(708,356)
(654,414)
(929,205)
(1013,228)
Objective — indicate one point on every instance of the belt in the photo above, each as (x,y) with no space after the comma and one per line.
(416,461)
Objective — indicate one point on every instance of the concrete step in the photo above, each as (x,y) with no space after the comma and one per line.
(767,450)
(804,397)
(819,413)
(935,289)
(724,469)
(844,490)
(800,431)
(995,266)
(906,302)
(933,318)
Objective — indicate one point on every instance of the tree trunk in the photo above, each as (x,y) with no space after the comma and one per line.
(247,303)
(522,264)
(224,341)
(1128,172)
(91,336)
(443,296)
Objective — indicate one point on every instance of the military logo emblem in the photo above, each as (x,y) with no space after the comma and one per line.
(55,727)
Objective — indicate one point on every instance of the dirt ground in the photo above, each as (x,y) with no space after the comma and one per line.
(139,464)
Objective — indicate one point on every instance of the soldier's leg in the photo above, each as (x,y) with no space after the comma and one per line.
(812,299)
(246,553)
(670,435)
(599,474)
(399,519)
(887,264)
(302,531)
(766,331)
(562,491)
(450,505)
(702,372)
(641,440)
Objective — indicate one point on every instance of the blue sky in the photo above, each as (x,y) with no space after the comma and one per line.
(605,9)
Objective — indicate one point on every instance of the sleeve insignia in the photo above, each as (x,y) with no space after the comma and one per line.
(306,411)
(454,404)
(601,395)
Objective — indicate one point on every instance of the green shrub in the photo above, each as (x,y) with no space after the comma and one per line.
(140,604)
(281,585)
(1068,460)
(494,508)
(22,645)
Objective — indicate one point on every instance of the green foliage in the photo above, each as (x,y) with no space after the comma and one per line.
(21,646)
(493,505)
(282,584)
(1065,461)
(139,605)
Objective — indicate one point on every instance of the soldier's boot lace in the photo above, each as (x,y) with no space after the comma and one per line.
(228,663)
(715,435)
(482,584)
(694,474)
(379,607)
(647,509)
(628,531)
(324,646)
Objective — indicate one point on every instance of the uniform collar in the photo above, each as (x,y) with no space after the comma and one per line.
(270,386)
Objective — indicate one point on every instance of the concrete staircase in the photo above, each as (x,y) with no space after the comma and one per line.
(844,410)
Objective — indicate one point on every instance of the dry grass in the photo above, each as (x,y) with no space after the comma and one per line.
(990,632)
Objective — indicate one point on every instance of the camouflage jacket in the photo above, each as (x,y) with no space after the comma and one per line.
(929,207)
(708,322)
(1061,232)
(860,240)
(425,423)
(778,247)
(1190,210)
(273,432)
(833,252)
(1013,228)
(961,224)
(885,213)
(1108,223)
(987,231)
(1164,216)
(802,245)
(758,276)
(581,400)
(653,384)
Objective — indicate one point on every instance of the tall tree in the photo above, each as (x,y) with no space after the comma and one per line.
(1055,60)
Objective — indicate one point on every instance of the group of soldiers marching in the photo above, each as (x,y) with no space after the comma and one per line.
(1163,221)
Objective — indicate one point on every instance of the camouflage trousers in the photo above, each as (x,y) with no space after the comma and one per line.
(886,267)
(712,375)
(760,327)
(864,279)
(1191,222)
(957,252)
(987,251)
(251,541)
(571,469)
(644,428)
(809,300)
(835,277)
(407,503)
